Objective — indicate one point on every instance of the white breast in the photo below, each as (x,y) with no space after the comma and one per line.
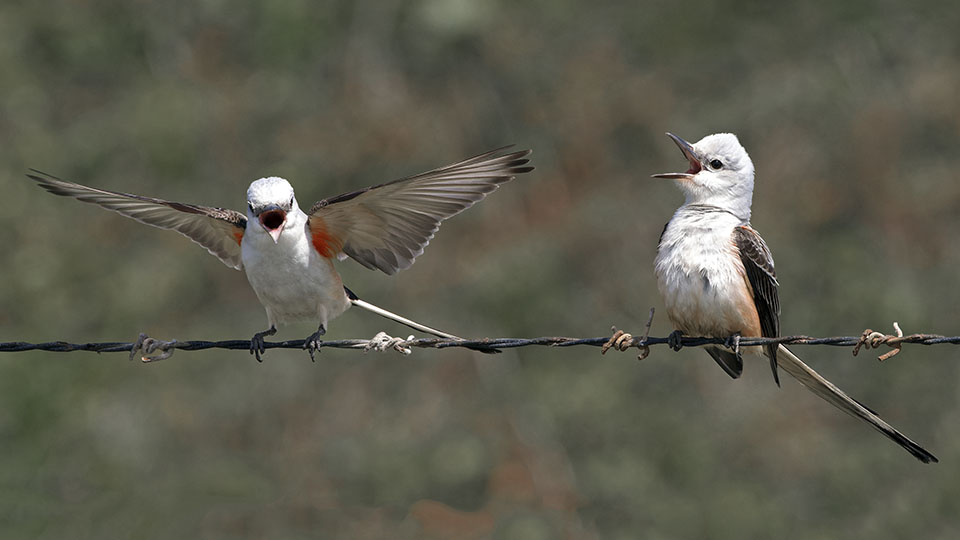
(701,277)
(292,281)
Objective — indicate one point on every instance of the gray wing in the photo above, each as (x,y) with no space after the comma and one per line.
(758,263)
(386,227)
(218,230)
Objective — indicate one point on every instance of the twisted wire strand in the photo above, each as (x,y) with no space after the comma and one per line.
(869,338)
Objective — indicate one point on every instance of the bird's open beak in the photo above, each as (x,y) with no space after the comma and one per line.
(688,153)
(272,220)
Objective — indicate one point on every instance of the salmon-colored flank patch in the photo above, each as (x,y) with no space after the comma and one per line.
(325,243)
(238,236)
(750,318)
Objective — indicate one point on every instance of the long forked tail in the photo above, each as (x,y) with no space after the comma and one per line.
(355,300)
(828,391)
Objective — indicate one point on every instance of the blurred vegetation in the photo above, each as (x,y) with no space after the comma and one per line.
(850,111)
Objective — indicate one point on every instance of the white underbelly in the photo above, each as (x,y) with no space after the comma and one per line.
(703,285)
(293,282)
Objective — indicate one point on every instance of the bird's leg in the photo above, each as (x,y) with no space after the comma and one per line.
(674,340)
(257,346)
(733,342)
(312,343)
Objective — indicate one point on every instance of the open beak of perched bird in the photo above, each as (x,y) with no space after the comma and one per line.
(272,219)
(690,154)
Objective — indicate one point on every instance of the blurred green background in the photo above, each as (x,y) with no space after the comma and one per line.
(850,110)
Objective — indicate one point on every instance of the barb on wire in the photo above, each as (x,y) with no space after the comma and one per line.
(622,341)
(868,339)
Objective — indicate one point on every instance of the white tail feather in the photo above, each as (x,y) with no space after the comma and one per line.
(402,320)
(836,397)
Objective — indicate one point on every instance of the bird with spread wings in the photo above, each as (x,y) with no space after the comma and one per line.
(288,254)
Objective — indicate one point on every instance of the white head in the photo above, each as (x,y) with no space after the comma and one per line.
(269,200)
(720,173)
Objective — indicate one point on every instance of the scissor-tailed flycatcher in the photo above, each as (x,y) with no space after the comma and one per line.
(716,274)
(288,254)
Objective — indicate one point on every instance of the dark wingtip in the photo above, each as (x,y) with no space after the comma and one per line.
(41,173)
(516,159)
(502,152)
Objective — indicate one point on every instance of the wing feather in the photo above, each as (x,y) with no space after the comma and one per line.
(758,263)
(386,227)
(219,231)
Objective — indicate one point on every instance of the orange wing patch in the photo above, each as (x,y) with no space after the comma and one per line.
(238,236)
(325,243)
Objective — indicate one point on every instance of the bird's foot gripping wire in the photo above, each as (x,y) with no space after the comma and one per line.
(381,342)
(257,345)
(148,346)
(313,342)
(675,340)
(733,342)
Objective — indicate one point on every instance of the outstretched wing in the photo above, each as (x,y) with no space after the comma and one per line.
(758,263)
(386,227)
(218,230)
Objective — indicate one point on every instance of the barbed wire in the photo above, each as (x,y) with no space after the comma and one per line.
(619,340)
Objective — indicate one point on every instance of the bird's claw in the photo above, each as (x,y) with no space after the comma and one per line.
(148,345)
(257,344)
(733,342)
(312,346)
(675,340)
(313,342)
(257,347)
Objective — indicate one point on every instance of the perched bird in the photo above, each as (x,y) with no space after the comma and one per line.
(288,254)
(717,278)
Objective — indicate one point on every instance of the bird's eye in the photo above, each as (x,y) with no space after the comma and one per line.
(716,164)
